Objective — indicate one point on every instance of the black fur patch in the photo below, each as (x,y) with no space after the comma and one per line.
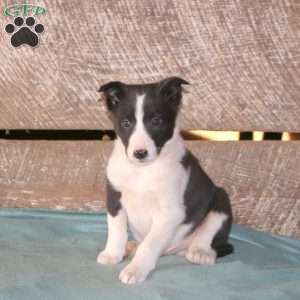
(121,102)
(199,193)
(163,102)
(113,202)
(155,106)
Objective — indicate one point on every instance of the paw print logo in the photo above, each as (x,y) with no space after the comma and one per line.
(27,33)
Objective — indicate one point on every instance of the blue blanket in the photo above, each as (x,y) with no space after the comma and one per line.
(52,255)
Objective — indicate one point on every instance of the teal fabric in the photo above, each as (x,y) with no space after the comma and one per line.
(50,255)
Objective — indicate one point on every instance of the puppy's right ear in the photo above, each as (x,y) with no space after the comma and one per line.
(113,92)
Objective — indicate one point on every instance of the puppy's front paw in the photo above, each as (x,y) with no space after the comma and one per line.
(105,258)
(133,273)
(200,256)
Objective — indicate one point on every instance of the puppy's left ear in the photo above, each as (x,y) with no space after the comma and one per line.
(171,89)
(113,92)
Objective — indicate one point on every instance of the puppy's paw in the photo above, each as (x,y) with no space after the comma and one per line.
(105,258)
(200,256)
(133,273)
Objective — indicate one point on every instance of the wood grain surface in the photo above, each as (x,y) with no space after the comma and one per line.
(241,56)
(263,178)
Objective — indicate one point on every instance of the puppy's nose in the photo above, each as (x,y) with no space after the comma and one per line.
(140,153)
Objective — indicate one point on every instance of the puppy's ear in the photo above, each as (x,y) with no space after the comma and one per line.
(113,92)
(171,89)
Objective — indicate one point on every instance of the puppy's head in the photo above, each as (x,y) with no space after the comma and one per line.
(144,116)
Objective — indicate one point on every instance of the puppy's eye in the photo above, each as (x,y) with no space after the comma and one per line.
(156,121)
(125,123)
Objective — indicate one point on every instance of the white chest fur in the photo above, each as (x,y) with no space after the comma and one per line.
(149,190)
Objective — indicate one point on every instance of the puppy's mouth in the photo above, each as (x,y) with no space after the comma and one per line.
(141,162)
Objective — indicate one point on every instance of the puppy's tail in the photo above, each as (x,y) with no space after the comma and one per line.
(223,250)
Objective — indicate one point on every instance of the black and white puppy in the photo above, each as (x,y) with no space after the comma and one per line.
(156,186)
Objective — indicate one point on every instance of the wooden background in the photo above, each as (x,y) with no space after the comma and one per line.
(262,178)
(241,56)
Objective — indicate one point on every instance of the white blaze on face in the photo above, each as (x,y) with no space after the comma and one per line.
(140,139)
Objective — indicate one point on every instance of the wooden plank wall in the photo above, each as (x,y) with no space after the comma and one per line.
(263,179)
(241,56)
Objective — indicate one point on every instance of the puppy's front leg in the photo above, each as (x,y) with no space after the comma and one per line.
(117,229)
(161,233)
(116,241)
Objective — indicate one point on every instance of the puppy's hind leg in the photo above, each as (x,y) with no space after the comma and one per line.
(200,250)
(211,237)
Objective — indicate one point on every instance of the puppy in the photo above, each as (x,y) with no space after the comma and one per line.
(156,187)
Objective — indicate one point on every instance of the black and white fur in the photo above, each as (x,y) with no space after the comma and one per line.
(156,187)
